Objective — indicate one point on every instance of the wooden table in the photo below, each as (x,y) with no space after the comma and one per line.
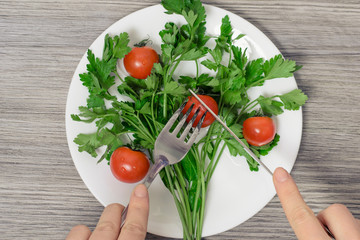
(41,43)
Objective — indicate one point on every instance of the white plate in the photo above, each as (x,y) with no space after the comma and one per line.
(235,194)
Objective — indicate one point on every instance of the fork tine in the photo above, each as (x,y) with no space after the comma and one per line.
(197,129)
(189,125)
(174,117)
(183,119)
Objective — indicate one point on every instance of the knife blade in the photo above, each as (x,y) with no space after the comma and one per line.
(232,134)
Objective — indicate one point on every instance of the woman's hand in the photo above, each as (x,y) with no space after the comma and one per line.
(337,218)
(108,227)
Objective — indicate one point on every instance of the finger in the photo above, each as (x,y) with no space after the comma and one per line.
(79,232)
(108,226)
(340,222)
(301,218)
(135,226)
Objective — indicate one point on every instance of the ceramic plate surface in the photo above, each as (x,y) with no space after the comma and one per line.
(235,194)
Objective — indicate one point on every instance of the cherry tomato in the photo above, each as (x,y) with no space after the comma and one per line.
(129,166)
(139,61)
(259,131)
(209,101)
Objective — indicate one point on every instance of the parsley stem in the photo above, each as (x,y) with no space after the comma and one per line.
(117,74)
(208,137)
(152,113)
(197,69)
(181,200)
(174,68)
(214,152)
(165,80)
(146,134)
(247,109)
(150,125)
(256,83)
(165,108)
(230,57)
(202,209)
(186,198)
(198,234)
(145,129)
(200,191)
(195,154)
(176,200)
(211,172)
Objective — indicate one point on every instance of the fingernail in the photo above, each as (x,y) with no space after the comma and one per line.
(281,175)
(140,191)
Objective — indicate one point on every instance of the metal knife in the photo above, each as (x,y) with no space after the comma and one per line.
(233,134)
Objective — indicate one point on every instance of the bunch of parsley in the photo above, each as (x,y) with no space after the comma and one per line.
(138,121)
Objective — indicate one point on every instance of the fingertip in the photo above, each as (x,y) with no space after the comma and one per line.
(81,228)
(141,191)
(139,198)
(108,226)
(280,175)
(115,207)
(79,232)
(285,186)
(335,209)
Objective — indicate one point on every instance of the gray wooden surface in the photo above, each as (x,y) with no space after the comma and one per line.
(41,43)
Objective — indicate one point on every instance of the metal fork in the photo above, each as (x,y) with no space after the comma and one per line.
(169,148)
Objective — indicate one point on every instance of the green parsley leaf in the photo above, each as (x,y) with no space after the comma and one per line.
(226,30)
(269,106)
(173,6)
(189,167)
(232,96)
(239,36)
(236,149)
(189,82)
(151,82)
(265,149)
(121,47)
(294,99)
(210,64)
(240,58)
(254,71)
(145,109)
(192,54)
(124,106)
(88,143)
(190,17)
(94,101)
(175,89)
(278,67)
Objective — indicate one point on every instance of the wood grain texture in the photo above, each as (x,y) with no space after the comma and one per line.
(41,43)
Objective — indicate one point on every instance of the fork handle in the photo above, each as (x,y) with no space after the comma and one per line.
(160,162)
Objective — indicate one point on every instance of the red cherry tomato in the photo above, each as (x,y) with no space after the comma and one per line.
(209,101)
(259,131)
(139,61)
(129,166)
